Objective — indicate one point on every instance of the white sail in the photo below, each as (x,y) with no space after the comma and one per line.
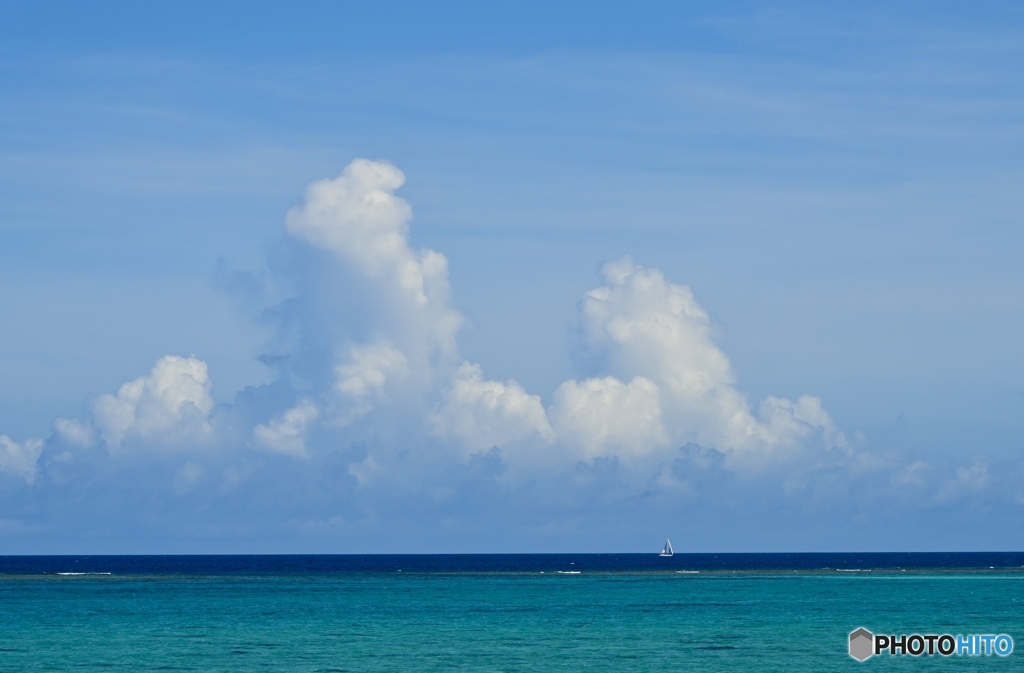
(667,551)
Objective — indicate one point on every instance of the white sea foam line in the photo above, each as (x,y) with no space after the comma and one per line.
(83,573)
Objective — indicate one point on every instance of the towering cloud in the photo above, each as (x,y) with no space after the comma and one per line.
(358,218)
(666,382)
(375,315)
(669,384)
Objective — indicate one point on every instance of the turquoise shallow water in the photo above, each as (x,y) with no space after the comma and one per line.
(394,621)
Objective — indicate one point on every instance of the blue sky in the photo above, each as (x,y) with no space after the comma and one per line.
(838,188)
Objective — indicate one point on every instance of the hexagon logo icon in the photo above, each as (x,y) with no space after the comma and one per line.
(862,644)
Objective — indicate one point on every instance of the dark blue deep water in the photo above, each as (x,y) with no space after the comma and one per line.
(285,564)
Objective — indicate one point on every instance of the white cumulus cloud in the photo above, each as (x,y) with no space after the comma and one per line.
(20,458)
(287,434)
(367,375)
(169,406)
(75,432)
(604,417)
(481,414)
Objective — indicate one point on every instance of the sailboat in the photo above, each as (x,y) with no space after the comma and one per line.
(667,551)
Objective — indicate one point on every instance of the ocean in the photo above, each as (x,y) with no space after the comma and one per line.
(518,612)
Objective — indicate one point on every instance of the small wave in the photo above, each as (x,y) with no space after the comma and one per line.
(687,572)
(853,570)
(568,572)
(83,573)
